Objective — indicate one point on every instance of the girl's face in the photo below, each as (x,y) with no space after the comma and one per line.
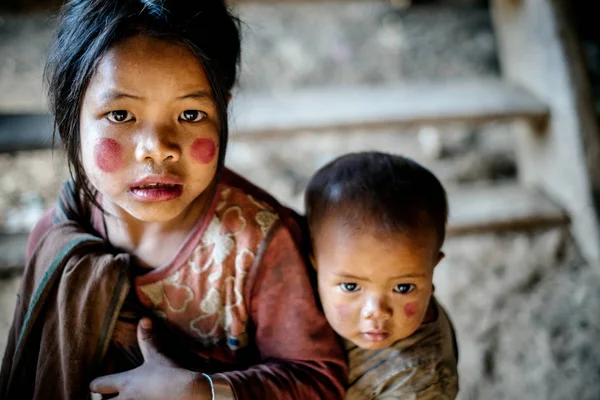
(149,130)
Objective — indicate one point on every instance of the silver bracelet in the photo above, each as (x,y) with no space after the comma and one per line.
(212,386)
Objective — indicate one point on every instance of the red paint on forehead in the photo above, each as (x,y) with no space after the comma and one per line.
(108,155)
(410,309)
(203,150)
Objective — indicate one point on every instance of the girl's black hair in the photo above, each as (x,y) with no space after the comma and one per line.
(87,29)
(377,193)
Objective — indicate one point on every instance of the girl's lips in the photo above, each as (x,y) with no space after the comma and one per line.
(155,193)
(163,179)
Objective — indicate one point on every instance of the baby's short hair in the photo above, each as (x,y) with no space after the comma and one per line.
(382,194)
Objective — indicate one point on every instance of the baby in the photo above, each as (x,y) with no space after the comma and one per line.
(377,223)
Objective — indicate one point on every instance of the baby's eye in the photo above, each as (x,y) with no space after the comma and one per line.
(192,115)
(349,287)
(404,288)
(119,116)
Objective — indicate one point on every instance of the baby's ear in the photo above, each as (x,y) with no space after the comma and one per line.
(440,257)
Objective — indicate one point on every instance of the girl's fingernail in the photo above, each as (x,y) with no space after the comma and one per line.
(146,323)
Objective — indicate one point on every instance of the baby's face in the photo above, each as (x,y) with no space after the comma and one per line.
(374,292)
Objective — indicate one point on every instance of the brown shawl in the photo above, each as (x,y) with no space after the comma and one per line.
(67,306)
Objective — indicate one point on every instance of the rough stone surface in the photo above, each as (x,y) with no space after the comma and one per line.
(29,183)
(526,308)
(287,46)
(284,165)
(291,46)
(540,51)
(24,40)
(8,300)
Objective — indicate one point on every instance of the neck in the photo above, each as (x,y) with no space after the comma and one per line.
(152,243)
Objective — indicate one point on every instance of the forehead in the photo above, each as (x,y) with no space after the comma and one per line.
(339,251)
(143,64)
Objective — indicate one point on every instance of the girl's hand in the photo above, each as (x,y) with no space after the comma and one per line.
(158,378)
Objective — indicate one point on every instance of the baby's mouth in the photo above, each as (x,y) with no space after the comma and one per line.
(377,335)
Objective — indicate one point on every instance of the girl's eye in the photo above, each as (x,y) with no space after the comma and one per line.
(119,116)
(349,287)
(404,288)
(192,116)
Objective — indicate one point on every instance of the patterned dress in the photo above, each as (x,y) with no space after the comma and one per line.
(237,300)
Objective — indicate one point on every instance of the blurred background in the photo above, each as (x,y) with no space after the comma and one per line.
(496,97)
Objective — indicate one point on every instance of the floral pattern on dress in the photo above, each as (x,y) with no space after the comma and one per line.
(206,297)
(170,291)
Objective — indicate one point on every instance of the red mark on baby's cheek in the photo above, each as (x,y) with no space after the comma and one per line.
(108,154)
(410,309)
(203,150)
(342,311)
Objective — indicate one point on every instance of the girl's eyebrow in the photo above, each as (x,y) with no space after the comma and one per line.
(112,95)
(199,94)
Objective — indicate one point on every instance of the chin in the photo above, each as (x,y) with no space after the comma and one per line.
(375,346)
(156,213)
(370,345)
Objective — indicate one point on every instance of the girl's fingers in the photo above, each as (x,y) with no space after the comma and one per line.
(146,340)
(109,384)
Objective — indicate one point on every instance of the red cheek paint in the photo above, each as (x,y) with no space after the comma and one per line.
(108,155)
(410,309)
(343,312)
(203,150)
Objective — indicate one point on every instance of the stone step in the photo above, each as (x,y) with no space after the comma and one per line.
(20,132)
(473,209)
(255,115)
(501,207)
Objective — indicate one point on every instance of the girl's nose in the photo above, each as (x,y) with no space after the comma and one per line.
(158,145)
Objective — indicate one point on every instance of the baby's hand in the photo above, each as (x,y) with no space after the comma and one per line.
(158,378)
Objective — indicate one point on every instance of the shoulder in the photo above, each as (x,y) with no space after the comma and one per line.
(401,374)
(247,222)
(241,216)
(234,180)
(237,190)
(241,185)
(422,366)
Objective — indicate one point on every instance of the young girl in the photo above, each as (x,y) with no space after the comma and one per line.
(152,225)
